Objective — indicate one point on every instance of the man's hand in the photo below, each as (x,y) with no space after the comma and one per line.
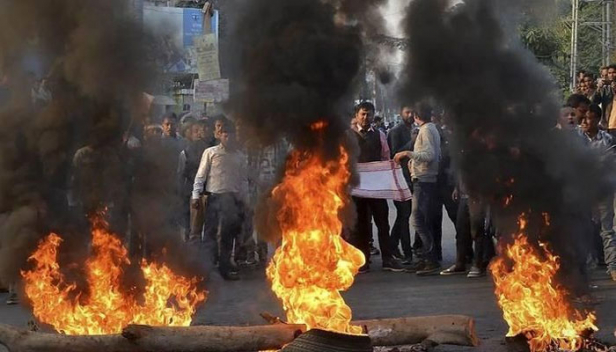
(398,157)
(195,203)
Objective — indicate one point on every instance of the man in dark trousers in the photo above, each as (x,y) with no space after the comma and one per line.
(373,147)
(402,138)
(424,167)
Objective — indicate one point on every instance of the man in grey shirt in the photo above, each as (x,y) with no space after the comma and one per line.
(424,167)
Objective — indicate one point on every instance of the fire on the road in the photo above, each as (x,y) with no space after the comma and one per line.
(168,299)
(313,263)
(533,304)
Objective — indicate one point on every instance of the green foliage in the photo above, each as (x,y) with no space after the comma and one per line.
(550,40)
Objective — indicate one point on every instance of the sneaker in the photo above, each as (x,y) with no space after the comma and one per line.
(230,276)
(364,269)
(374,250)
(429,269)
(414,267)
(393,265)
(408,260)
(397,255)
(12,299)
(454,270)
(476,272)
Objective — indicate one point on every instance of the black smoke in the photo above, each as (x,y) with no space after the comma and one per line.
(95,61)
(296,64)
(299,63)
(500,103)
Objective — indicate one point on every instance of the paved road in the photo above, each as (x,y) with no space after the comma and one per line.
(381,295)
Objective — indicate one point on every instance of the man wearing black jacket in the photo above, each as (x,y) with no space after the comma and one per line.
(402,138)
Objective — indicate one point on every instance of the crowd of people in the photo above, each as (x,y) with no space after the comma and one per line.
(420,143)
(199,178)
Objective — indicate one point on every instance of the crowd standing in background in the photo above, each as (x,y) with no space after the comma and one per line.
(208,177)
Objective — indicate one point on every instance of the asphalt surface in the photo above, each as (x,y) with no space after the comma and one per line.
(380,294)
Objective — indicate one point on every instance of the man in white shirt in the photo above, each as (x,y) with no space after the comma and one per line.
(221,185)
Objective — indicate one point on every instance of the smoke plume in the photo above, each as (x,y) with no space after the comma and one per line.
(93,62)
(500,104)
(299,63)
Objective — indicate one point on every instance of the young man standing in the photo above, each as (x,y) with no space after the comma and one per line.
(190,159)
(601,142)
(424,167)
(221,185)
(402,138)
(372,147)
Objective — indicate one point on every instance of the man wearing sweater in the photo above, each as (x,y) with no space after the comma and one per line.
(372,147)
(424,167)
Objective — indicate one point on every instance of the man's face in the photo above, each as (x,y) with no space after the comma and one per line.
(567,117)
(611,74)
(590,122)
(217,129)
(583,87)
(197,132)
(604,73)
(407,115)
(580,112)
(364,118)
(588,82)
(152,134)
(227,139)
(169,127)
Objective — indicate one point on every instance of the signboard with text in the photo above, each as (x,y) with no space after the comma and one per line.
(215,91)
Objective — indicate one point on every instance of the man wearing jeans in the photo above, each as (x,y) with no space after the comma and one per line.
(602,143)
(424,166)
(402,138)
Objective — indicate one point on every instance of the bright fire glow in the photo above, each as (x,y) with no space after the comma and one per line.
(533,303)
(314,263)
(168,300)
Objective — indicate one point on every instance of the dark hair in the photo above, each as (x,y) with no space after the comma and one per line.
(575,100)
(366,105)
(378,118)
(228,126)
(424,111)
(603,68)
(170,116)
(612,66)
(590,75)
(203,122)
(595,109)
(221,117)
(406,106)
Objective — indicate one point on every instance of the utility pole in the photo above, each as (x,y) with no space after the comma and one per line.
(603,25)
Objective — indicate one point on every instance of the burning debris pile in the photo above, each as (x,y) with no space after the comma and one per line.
(533,303)
(314,263)
(91,75)
(499,104)
(297,61)
(168,299)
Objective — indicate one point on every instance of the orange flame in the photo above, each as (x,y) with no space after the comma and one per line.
(168,300)
(314,263)
(533,303)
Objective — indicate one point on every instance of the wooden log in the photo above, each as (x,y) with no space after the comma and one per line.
(457,330)
(156,339)
(443,330)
